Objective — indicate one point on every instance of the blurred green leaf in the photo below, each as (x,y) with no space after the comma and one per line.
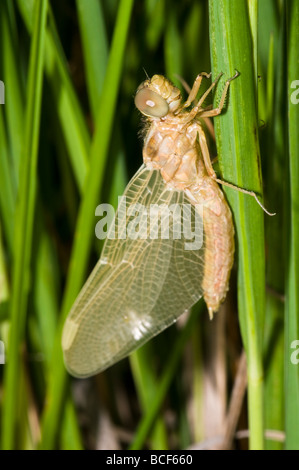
(239,156)
(292,278)
(25,218)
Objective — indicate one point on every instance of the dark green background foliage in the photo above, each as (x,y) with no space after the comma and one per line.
(69,141)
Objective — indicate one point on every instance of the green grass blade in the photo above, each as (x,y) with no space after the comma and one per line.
(44,296)
(65,100)
(292,294)
(238,151)
(253,17)
(46,292)
(85,224)
(146,383)
(155,13)
(95,47)
(14,107)
(166,378)
(196,31)
(273,145)
(172,47)
(7,193)
(25,218)
(68,109)
(4,295)
(4,289)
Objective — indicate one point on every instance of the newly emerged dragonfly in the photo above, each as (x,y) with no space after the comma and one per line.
(141,285)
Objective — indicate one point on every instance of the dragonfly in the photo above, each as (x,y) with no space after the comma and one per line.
(142,284)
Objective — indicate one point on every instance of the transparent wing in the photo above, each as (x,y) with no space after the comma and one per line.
(142,283)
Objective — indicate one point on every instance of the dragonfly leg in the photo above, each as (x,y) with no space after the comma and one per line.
(217,111)
(194,111)
(205,153)
(245,191)
(210,170)
(195,88)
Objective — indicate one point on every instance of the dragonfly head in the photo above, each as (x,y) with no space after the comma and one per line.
(157,97)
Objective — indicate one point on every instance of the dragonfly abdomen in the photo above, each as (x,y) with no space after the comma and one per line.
(219,242)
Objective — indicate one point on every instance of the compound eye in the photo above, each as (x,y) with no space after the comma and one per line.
(150,103)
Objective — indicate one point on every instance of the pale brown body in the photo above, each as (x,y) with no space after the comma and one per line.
(172,145)
(176,144)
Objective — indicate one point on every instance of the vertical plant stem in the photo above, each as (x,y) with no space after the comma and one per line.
(25,218)
(272,110)
(238,152)
(253,21)
(292,295)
